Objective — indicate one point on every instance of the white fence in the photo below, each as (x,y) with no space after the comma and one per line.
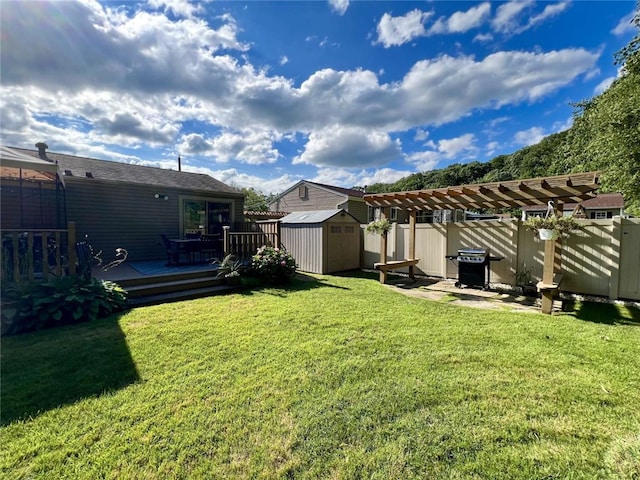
(604,259)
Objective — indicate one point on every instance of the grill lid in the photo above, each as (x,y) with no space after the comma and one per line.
(473,251)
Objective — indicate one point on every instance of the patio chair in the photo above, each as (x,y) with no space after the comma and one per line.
(210,248)
(173,252)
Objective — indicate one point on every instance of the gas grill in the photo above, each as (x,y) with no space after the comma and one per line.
(473,267)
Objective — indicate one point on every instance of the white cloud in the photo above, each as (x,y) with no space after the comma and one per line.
(394,31)
(421,135)
(339,6)
(483,37)
(424,161)
(180,8)
(603,85)
(233,177)
(549,11)
(382,175)
(254,148)
(460,22)
(507,19)
(529,137)
(510,18)
(284,60)
(459,148)
(453,146)
(625,25)
(351,147)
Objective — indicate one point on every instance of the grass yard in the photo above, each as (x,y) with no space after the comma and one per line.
(337,378)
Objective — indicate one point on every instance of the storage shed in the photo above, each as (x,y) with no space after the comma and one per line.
(322,241)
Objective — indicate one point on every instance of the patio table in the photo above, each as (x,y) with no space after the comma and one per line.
(188,246)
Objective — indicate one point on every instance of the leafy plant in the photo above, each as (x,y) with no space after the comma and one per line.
(564,225)
(379,227)
(523,275)
(60,301)
(229,267)
(272,264)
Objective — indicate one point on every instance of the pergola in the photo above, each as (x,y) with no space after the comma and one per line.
(33,191)
(572,188)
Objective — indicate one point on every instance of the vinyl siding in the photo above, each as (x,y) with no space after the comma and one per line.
(316,199)
(115,214)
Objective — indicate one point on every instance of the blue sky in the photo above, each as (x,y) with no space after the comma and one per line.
(262,94)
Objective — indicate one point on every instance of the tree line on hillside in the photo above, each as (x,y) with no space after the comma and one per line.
(605,137)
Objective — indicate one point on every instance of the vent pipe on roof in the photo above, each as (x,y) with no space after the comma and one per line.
(179,164)
(42,150)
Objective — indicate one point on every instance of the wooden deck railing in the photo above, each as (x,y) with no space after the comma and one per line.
(245,244)
(34,254)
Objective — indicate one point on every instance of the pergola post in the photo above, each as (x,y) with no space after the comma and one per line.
(547,275)
(412,241)
(383,247)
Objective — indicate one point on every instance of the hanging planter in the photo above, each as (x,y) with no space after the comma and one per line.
(380,227)
(552,227)
(547,234)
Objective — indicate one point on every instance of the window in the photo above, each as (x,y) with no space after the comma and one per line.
(601,215)
(393,215)
(424,216)
(205,217)
(373,213)
(349,229)
(302,191)
(335,229)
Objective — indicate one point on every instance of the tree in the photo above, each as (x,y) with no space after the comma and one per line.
(256,201)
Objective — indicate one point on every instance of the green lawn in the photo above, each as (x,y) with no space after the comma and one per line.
(337,378)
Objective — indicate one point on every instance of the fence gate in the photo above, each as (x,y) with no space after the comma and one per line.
(629,286)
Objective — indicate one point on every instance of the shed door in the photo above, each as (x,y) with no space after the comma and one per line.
(343,252)
(630,261)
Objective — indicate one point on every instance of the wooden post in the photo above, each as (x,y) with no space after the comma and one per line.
(547,275)
(226,240)
(557,255)
(71,247)
(383,248)
(412,241)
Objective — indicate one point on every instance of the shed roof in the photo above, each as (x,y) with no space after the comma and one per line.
(513,193)
(81,167)
(314,216)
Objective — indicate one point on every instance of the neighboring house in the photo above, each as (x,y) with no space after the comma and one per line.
(307,196)
(603,205)
(117,204)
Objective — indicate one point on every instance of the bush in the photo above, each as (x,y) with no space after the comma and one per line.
(61,301)
(273,265)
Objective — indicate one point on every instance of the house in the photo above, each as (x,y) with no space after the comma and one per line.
(603,205)
(307,196)
(116,204)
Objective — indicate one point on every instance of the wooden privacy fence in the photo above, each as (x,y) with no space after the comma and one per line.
(603,260)
(37,254)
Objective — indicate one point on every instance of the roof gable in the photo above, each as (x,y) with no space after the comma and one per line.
(346,192)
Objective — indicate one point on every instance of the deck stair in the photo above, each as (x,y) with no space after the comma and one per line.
(156,289)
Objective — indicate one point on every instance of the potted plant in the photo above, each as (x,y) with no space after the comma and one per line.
(525,280)
(552,226)
(380,227)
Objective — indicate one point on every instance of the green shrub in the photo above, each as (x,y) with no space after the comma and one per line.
(60,301)
(273,265)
